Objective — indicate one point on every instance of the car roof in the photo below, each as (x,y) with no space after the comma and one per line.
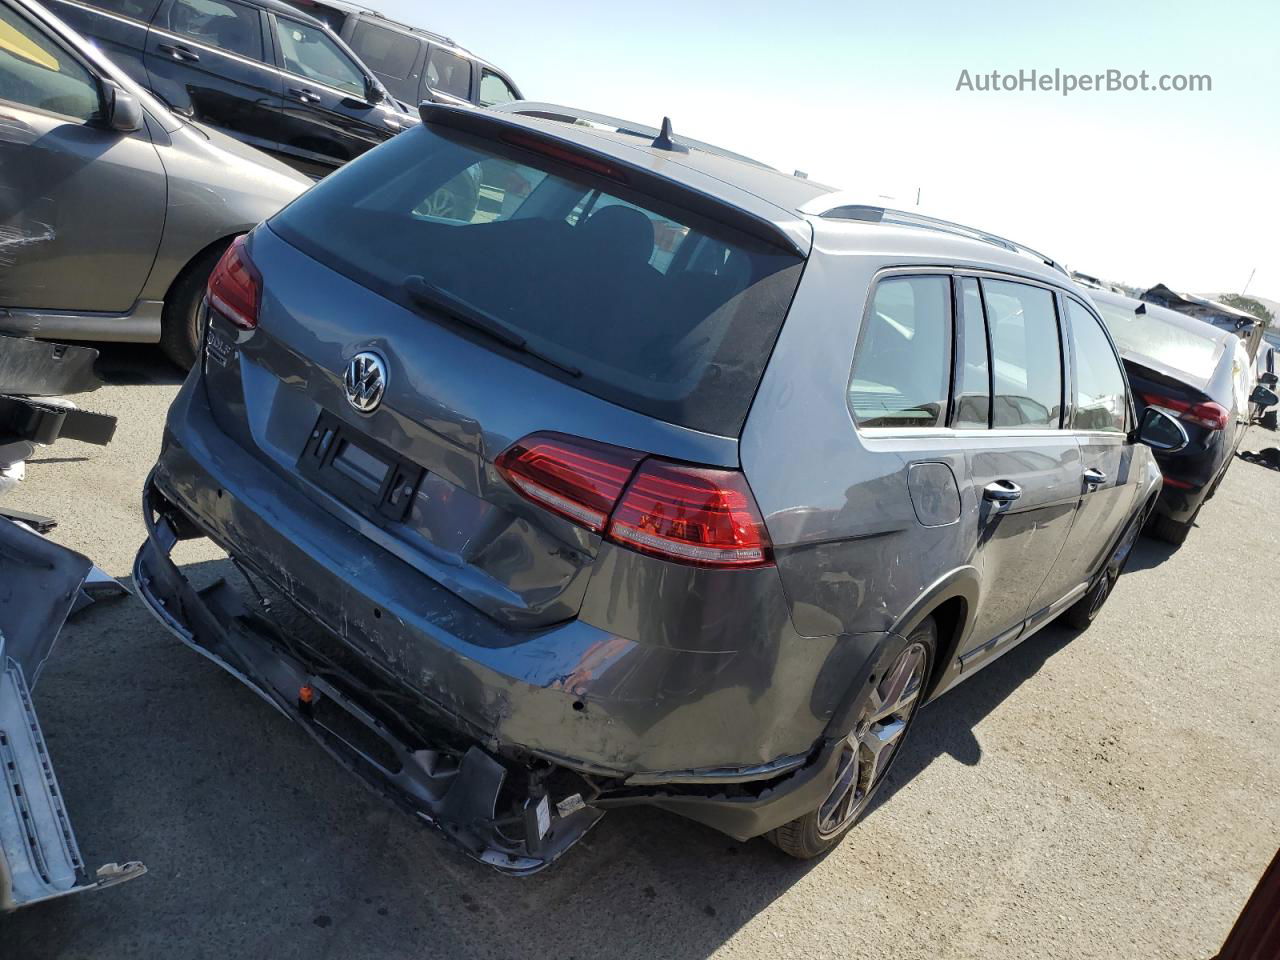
(736,177)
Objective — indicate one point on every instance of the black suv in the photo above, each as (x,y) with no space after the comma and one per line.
(260,70)
(413,63)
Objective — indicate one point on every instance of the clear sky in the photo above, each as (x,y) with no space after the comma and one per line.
(1182,188)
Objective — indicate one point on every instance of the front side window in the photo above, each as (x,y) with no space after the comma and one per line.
(1101,401)
(901,366)
(494,90)
(35,73)
(386,52)
(1026,356)
(224,24)
(448,73)
(309,52)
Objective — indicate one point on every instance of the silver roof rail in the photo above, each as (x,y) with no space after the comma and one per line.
(555,111)
(905,218)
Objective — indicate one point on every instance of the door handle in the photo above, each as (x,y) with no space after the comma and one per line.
(1094,478)
(1001,491)
(179,52)
(306,96)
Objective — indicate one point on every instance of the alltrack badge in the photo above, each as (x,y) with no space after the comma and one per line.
(365,381)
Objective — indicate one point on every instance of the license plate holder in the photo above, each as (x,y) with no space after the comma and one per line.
(359,471)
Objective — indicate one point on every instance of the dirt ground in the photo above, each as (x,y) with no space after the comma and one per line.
(1111,794)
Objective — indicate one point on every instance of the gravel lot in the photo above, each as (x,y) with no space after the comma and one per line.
(1110,794)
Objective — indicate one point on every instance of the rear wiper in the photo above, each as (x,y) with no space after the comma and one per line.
(427,294)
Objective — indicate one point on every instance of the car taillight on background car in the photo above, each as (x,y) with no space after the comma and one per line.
(235,286)
(696,515)
(1210,415)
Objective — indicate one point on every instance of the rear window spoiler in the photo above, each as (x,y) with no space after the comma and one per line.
(507,128)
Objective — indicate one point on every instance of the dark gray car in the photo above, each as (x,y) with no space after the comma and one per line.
(659,478)
(113,210)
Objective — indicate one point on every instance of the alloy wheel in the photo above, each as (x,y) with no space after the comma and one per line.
(870,748)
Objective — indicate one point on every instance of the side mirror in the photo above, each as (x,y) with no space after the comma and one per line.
(124,113)
(1264,397)
(373,92)
(1161,432)
(1268,379)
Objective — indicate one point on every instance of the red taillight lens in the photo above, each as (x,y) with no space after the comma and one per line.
(695,515)
(235,286)
(1210,415)
(575,478)
(691,514)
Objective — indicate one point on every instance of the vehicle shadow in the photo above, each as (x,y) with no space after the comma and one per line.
(134,365)
(945,727)
(1148,553)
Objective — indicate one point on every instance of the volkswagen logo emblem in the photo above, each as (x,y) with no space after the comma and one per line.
(365,381)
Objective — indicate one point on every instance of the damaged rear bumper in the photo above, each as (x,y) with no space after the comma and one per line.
(502,810)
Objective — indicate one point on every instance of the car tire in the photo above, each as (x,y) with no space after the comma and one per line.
(1269,419)
(1170,530)
(181,325)
(862,768)
(1084,611)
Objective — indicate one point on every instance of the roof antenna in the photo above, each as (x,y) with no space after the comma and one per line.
(663,140)
(1140,308)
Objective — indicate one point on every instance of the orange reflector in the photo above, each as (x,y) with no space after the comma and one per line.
(306,693)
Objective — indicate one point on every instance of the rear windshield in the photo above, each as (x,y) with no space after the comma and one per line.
(631,300)
(1171,345)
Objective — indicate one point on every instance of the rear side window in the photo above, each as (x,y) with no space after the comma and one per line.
(902,363)
(448,73)
(225,24)
(137,9)
(1026,356)
(387,52)
(973,370)
(1101,401)
(681,333)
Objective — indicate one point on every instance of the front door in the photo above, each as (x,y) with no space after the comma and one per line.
(1025,467)
(81,206)
(1112,466)
(208,59)
(328,118)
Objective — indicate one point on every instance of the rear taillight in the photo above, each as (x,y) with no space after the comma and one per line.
(694,515)
(575,478)
(235,286)
(1210,415)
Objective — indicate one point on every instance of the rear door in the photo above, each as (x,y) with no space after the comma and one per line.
(119,27)
(81,206)
(1100,418)
(209,59)
(1026,466)
(327,119)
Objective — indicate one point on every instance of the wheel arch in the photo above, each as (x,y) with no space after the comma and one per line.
(195,258)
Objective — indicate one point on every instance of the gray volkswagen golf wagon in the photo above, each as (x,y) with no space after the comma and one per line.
(659,478)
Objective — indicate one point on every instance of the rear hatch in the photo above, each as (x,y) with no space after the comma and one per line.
(472,292)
